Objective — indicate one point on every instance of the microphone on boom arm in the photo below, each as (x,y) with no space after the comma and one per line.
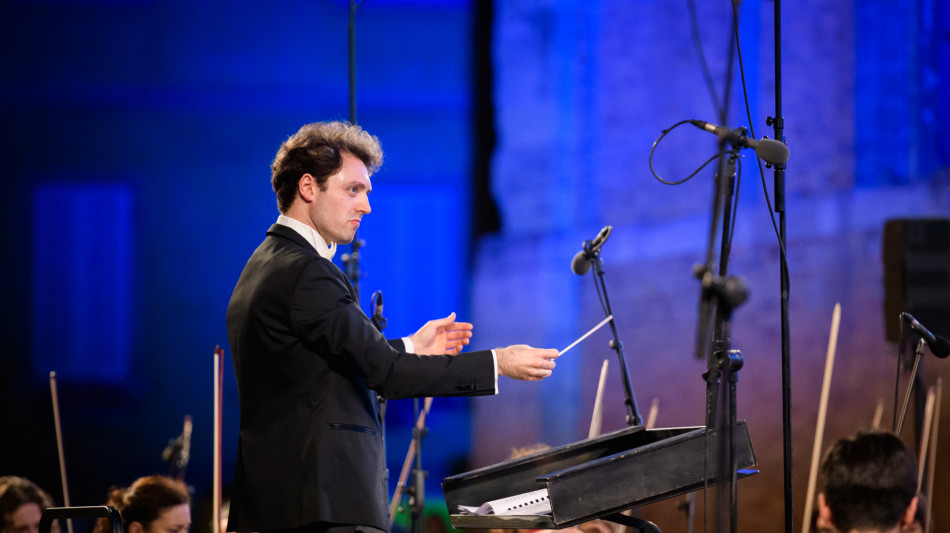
(938,345)
(769,150)
(581,262)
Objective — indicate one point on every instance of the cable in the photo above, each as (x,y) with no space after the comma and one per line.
(765,189)
(664,133)
(698,44)
(735,201)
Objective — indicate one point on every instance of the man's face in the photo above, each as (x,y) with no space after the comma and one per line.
(26,519)
(336,212)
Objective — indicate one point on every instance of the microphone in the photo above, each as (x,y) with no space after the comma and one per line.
(581,262)
(376,301)
(186,442)
(178,451)
(769,150)
(938,345)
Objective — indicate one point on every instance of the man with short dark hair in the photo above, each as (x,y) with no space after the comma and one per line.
(309,363)
(868,485)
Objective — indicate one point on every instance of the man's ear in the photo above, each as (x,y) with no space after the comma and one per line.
(825,520)
(908,517)
(135,527)
(307,187)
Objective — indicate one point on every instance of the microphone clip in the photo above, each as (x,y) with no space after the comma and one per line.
(739,138)
(592,248)
(590,252)
(732,291)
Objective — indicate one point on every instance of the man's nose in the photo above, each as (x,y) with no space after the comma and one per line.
(364,206)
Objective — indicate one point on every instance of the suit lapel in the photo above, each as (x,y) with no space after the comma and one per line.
(281,230)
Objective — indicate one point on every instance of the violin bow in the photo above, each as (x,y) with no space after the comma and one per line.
(822,412)
(59,446)
(216,452)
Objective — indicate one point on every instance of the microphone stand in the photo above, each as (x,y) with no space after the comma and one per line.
(417,493)
(351,261)
(417,500)
(778,124)
(376,304)
(720,295)
(633,414)
(351,265)
(178,451)
(899,422)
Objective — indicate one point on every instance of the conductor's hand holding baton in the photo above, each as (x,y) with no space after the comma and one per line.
(523,362)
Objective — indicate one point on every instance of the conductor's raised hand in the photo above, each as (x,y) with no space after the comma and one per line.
(523,362)
(442,336)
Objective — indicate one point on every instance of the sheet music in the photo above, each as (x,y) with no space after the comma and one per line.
(529,503)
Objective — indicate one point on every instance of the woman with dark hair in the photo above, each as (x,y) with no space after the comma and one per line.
(21,505)
(152,504)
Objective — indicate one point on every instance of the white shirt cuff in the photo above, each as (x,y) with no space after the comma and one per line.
(407,344)
(494,359)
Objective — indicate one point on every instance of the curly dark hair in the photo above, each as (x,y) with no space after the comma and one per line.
(318,149)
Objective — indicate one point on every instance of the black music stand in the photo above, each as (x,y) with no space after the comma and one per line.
(101,511)
(598,477)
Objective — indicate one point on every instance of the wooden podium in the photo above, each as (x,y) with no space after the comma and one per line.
(598,477)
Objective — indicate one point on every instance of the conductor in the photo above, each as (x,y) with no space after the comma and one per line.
(309,363)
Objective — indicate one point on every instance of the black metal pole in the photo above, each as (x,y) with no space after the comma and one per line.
(352,61)
(899,422)
(351,261)
(726,293)
(734,364)
(633,413)
(778,123)
(418,498)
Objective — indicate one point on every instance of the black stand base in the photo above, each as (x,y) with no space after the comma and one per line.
(638,524)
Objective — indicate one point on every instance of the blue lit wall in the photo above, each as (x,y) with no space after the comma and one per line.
(136,140)
(583,89)
(82,281)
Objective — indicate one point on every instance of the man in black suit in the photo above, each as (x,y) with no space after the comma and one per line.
(309,363)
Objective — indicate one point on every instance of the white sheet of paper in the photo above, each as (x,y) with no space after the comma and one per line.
(529,503)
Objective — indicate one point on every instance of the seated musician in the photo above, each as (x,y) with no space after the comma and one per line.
(22,503)
(152,504)
(868,484)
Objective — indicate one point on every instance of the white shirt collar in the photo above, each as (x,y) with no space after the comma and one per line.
(310,234)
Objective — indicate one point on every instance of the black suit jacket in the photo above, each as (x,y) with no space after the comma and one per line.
(309,365)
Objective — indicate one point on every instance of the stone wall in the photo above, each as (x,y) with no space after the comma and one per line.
(583,90)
